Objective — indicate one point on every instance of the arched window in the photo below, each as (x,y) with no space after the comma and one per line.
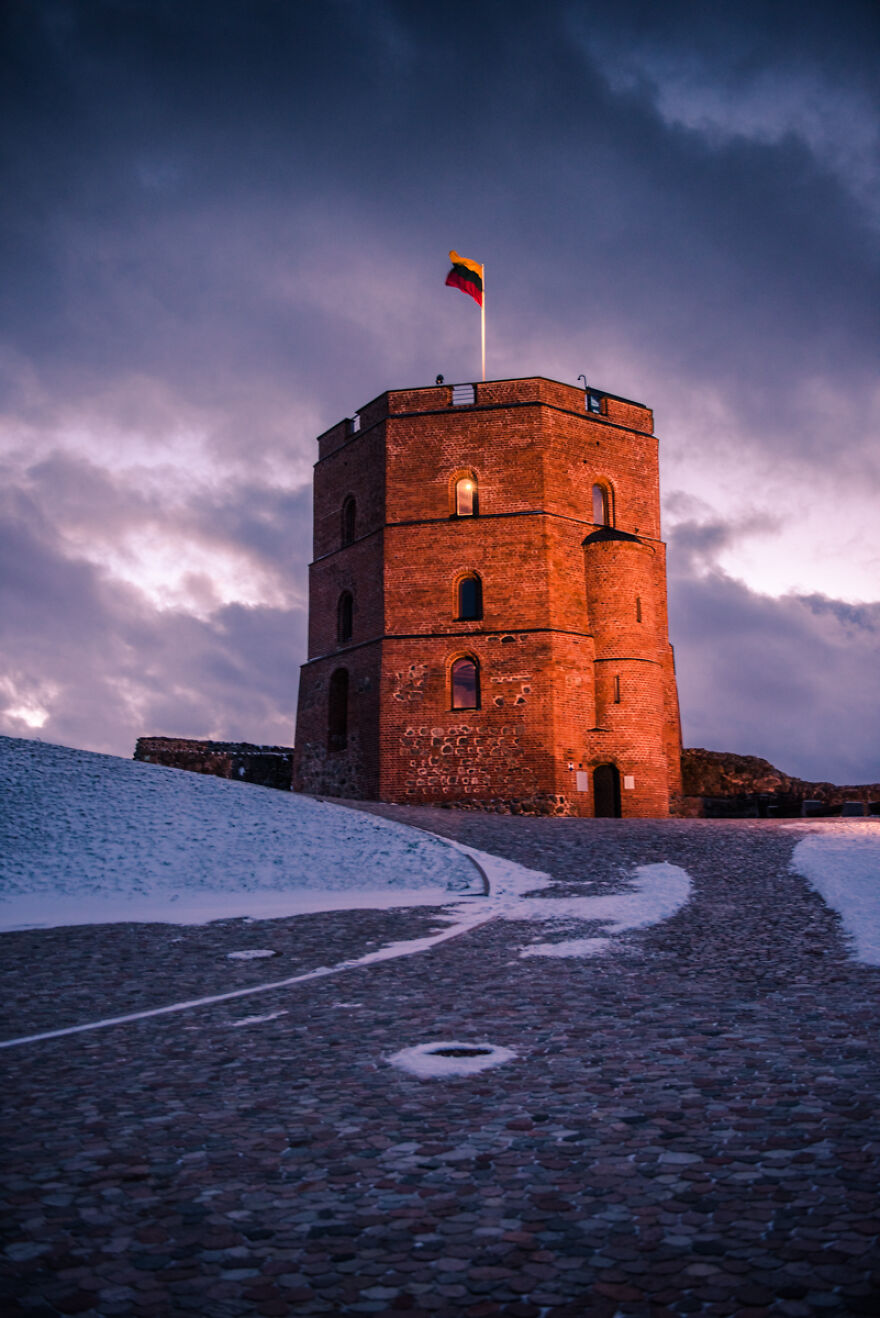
(466,497)
(337,711)
(349,518)
(345,616)
(470,598)
(465,678)
(601,505)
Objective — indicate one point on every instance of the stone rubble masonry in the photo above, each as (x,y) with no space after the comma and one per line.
(267,766)
(719,784)
(575,663)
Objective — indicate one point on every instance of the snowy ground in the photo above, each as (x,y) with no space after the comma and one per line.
(841,859)
(92,839)
(715,1079)
(87,839)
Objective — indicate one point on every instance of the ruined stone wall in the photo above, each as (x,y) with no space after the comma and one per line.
(719,784)
(266,766)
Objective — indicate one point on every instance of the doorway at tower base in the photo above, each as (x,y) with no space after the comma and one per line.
(606,791)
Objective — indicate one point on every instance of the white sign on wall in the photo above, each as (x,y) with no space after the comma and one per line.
(629,782)
(581,781)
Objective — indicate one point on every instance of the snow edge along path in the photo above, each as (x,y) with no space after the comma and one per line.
(514,879)
(634,909)
(389,953)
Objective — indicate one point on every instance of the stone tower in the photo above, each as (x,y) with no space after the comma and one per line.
(487,605)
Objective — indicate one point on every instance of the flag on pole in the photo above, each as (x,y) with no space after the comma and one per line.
(466,275)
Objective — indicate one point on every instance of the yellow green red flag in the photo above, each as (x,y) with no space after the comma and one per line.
(466,275)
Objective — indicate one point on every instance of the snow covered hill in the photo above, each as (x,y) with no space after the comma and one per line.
(88,838)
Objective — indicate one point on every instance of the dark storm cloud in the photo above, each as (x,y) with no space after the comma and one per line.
(794,680)
(165,159)
(111,666)
(695,545)
(230,221)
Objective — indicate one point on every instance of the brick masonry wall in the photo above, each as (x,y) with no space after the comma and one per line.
(354,770)
(357,569)
(500,751)
(358,469)
(547,613)
(621,583)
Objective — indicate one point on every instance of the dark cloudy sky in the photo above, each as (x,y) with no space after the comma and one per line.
(226,225)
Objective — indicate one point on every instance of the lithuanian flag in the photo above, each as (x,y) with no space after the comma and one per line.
(466,275)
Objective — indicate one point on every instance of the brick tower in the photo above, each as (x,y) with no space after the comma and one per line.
(487,605)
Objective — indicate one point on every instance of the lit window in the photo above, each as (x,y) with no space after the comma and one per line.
(601,506)
(345,616)
(337,711)
(349,517)
(465,684)
(470,599)
(466,497)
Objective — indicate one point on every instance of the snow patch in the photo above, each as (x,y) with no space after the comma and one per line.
(428,1062)
(841,860)
(257,1020)
(251,954)
(654,893)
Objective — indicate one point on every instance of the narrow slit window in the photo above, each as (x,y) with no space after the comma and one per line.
(616,690)
(349,520)
(345,616)
(601,506)
(470,599)
(638,608)
(466,497)
(337,711)
(465,684)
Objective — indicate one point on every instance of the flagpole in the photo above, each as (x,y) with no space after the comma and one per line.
(483,319)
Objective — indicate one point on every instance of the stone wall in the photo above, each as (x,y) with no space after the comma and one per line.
(718,784)
(266,766)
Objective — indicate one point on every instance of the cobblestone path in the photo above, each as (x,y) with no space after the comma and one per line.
(690,1125)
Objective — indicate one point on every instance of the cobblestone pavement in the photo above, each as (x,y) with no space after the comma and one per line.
(689,1127)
